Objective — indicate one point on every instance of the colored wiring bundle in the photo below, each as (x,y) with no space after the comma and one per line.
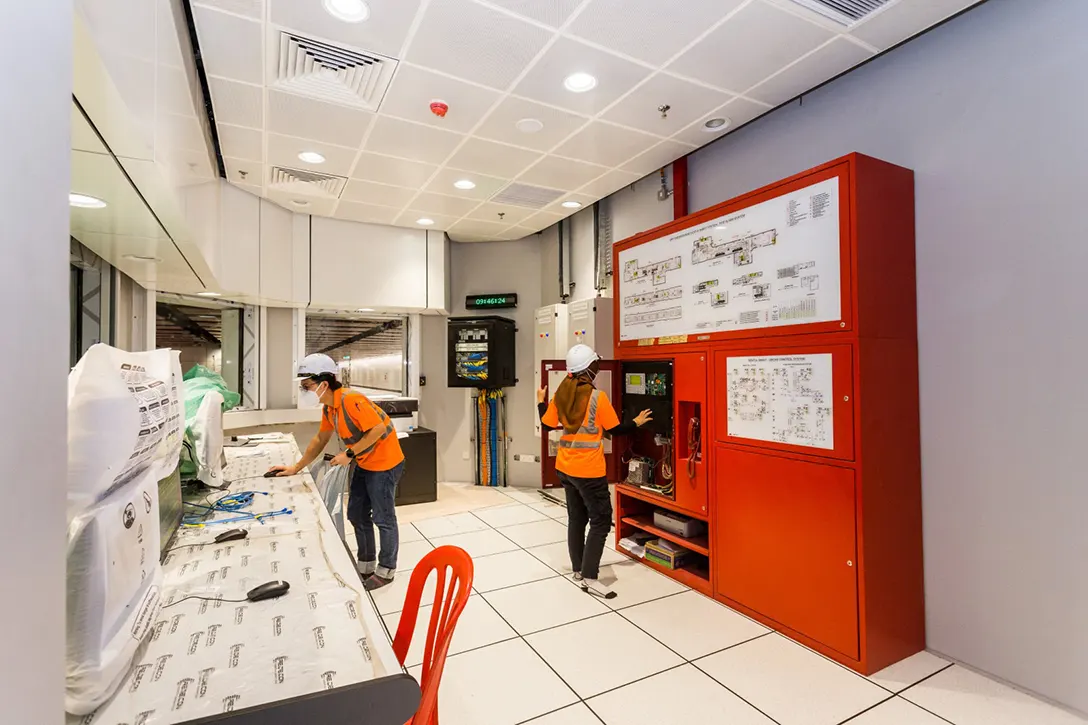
(491,438)
(231,503)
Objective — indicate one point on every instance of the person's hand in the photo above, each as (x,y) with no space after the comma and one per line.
(341,459)
(643,418)
(284,471)
(542,394)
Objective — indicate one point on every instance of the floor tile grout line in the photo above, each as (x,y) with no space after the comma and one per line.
(901,694)
(924,709)
(856,715)
(735,693)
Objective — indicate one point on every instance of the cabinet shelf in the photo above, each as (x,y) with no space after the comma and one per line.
(698,544)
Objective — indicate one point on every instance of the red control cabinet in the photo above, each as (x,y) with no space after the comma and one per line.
(808,466)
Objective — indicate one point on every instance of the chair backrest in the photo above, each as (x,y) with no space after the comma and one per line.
(453,568)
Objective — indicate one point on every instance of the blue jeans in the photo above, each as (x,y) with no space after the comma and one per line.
(370,504)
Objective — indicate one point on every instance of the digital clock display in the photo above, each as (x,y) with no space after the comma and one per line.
(491,301)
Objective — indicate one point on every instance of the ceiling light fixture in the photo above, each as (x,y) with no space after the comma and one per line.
(715,125)
(465,184)
(311,157)
(140,258)
(529,125)
(364,309)
(350,11)
(424,222)
(208,294)
(572,204)
(300,202)
(580,82)
(85,202)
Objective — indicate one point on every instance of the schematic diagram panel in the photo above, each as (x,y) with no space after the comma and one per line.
(772,264)
(787,399)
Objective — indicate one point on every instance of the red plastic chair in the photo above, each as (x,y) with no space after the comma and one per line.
(454,570)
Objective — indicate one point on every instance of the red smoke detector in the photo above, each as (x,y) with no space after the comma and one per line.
(439,108)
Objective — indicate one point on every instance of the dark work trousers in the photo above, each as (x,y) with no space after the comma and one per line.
(588,502)
(370,504)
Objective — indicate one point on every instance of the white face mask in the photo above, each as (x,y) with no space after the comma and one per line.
(309,398)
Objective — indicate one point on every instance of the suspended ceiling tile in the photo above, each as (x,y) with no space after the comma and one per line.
(441,204)
(284,151)
(241,143)
(180,133)
(658,157)
(756,42)
(478,227)
(737,112)
(520,232)
(239,104)
(250,8)
(384,32)
(229,45)
(899,21)
(173,92)
(662,29)
(387,170)
(510,214)
(475,42)
(486,186)
(550,12)
(411,140)
(542,220)
(605,144)
(302,117)
(560,173)
(244,171)
(610,182)
(413,90)
(303,204)
(381,194)
(687,101)
(827,62)
(410,218)
(372,213)
(493,159)
(615,76)
(584,199)
(501,124)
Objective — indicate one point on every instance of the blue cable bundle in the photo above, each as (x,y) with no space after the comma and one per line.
(231,503)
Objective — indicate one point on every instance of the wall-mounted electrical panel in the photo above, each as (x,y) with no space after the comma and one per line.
(549,342)
(481,352)
(591,324)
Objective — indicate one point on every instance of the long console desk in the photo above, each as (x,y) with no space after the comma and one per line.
(320,653)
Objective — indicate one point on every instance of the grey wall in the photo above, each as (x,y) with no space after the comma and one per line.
(280,329)
(475,268)
(990,112)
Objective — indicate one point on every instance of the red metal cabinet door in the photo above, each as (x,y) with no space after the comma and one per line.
(689,386)
(787,542)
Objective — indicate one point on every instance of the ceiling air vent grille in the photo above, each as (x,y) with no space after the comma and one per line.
(330,73)
(307,183)
(533,197)
(844,12)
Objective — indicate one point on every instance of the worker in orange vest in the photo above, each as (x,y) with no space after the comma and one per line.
(372,450)
(584,414)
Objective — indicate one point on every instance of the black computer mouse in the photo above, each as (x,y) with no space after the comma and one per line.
(271,474)
(231,535)
(268,590)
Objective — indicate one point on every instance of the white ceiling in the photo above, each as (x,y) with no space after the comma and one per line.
(495,62)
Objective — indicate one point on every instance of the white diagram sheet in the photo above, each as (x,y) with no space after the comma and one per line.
(781,399)
(774,263)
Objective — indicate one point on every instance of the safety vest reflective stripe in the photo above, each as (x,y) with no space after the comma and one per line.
(589,428)
(356,433)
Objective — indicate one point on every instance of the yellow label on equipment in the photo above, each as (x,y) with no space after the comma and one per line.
(672,340)
(646,342)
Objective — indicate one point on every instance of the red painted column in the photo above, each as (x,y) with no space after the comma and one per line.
(680,187)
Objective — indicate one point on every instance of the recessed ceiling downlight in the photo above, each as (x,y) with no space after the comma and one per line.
(529,125)
(572,204)
(141,258)
(350,11)
(464,184)
(208,294)
(311,157)
(424,222)
(715,125)
(85,202)
(580,82)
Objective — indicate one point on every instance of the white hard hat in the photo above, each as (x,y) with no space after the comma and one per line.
(580,357)
(317,364)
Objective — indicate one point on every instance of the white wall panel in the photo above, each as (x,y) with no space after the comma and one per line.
(277,254)
(238,265)
(367,266)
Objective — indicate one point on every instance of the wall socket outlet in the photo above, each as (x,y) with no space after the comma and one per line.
(526,458)
(464,456)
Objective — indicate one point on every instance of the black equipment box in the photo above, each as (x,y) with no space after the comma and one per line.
(481,352)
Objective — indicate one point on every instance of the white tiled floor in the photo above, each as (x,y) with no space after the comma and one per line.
(531,647)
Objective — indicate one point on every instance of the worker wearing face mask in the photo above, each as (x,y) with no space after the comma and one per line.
(584,414)
(372,450)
